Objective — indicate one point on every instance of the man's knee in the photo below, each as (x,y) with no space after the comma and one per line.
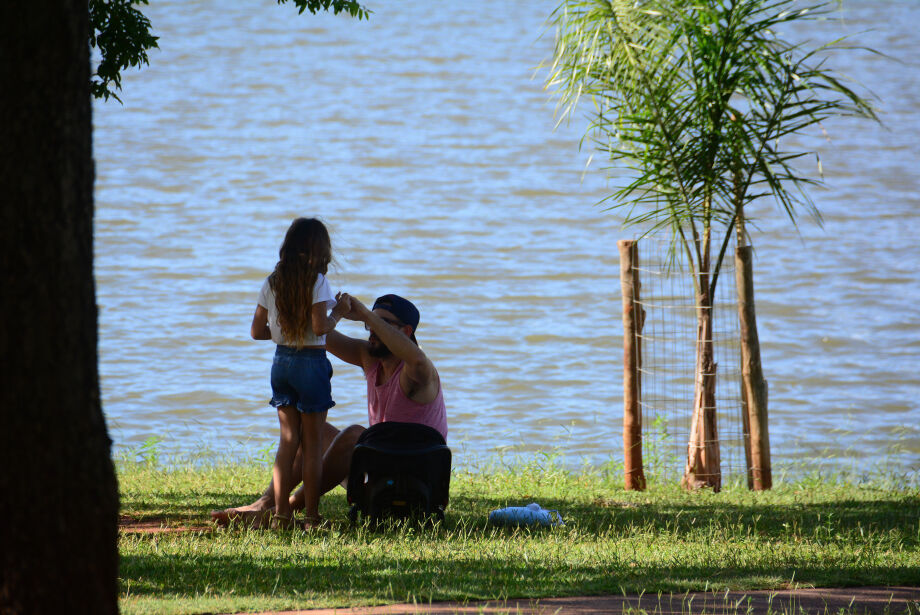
(352,433)
(329,433)
(339,450)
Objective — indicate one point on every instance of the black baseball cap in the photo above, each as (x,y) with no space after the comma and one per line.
(403,309)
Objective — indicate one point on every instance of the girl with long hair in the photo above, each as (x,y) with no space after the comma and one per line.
(294,312)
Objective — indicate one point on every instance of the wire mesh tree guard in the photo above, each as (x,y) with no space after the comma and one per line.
(660,369)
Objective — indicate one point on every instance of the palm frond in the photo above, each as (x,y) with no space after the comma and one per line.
(696,99)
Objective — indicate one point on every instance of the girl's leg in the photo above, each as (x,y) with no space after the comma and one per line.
(311,426)
(289,420)
(329,438)
(338,446)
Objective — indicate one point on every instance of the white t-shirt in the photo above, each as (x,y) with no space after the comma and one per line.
(322,293)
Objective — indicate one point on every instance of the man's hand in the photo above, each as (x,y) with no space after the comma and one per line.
(356,309)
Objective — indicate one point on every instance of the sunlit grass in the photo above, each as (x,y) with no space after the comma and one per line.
(830,530)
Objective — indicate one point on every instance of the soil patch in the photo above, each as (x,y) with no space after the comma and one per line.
(156,525)
(827,601)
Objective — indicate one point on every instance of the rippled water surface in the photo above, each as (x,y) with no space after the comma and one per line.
(426,141)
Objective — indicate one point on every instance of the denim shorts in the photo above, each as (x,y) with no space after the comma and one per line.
(301,378)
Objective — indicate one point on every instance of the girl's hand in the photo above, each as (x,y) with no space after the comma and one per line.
(342,305)
(324,323)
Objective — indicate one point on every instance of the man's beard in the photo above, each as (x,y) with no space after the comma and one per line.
(379,350)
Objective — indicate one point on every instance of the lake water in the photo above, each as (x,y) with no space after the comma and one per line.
(425,139)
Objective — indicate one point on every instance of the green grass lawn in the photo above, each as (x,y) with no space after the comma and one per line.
(819,531)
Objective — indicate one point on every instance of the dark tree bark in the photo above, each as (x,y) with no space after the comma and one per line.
(58,535)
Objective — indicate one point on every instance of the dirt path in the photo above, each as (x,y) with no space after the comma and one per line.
(855,600)
(157,525)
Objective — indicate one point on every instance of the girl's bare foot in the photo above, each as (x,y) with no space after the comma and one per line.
(279,522)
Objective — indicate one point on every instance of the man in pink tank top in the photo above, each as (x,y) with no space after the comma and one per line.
(402,385)
(402,382)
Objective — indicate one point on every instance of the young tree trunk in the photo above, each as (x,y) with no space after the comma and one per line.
(703,464)
(60,499)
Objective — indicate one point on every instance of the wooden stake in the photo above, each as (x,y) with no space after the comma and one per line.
(760,474)
(746,435)
(633,319)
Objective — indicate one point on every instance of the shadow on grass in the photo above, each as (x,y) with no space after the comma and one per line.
(807,519)
(388,577)
(471,559)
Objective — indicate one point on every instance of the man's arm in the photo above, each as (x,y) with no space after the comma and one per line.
(419,379)
(347,349)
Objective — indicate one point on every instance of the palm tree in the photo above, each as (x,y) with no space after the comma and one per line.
(696,98)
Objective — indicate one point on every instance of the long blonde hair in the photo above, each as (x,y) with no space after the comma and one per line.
(304,254)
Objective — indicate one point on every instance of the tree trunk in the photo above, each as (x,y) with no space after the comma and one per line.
(633,319)
(703,464)
(60,498)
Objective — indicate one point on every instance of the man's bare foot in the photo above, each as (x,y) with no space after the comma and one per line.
(244,516)
(225,516)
